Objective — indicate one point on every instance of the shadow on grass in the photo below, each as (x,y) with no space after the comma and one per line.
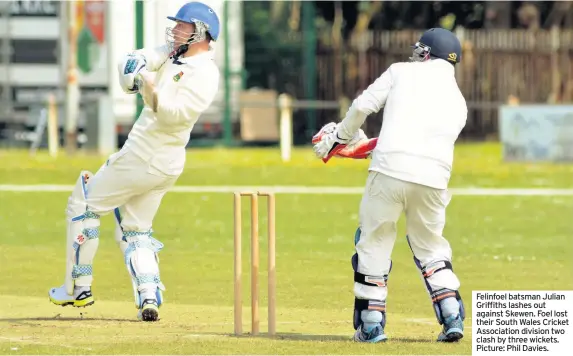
(307,337)
(310,337)
(192,334)
(57,317)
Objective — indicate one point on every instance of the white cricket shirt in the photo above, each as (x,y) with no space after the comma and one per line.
(424,113)
(185,89)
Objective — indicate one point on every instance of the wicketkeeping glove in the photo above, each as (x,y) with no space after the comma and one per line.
(330,143)
(359,147)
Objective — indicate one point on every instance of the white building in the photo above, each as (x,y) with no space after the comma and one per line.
(34,51)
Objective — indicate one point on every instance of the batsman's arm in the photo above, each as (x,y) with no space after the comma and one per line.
(179,104)
(370,101)
(142,60)
(154,57)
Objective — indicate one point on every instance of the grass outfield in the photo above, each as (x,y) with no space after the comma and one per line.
(474,165)
(499,243)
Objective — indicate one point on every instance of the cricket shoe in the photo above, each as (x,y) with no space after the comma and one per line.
(372,335)
(149,310)
(81,298)
(453,329)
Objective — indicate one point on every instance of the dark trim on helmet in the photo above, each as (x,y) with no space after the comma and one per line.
(435,57)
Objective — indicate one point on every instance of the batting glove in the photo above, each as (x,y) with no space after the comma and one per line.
(128,69)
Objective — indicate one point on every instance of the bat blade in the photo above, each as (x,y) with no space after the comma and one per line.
(154,100)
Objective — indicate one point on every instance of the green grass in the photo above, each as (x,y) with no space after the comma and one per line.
(474,165)
(499,243)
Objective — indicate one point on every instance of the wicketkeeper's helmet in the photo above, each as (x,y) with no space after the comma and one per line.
(437,43)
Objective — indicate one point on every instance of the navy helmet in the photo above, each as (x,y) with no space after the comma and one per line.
(437,43)
(202,16)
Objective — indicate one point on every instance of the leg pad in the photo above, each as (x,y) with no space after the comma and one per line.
(437,294)
(143,263)
(82,236)
(363,304)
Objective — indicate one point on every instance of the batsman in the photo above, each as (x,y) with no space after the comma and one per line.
(424,113)
(178,82)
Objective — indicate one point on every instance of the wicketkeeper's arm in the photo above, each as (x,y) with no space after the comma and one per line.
(370,101)
(359,147)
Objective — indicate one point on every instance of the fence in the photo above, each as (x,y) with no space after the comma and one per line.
(497,66)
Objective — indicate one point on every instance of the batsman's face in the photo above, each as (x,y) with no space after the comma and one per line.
(181,33)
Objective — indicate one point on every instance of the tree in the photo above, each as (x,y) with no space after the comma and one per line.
(497,14)
(529,16)
(558,13)
(273,59)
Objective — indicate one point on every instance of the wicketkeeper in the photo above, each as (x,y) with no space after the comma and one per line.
(424,113)
(178,82)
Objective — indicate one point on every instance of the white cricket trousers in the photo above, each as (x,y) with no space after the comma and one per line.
(131,184)
(383,201)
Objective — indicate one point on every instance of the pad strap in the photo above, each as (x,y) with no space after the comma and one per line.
(364,304)
(442,294)
(435,267)
(133,238)
(81,270)
(367,280)
(374,281)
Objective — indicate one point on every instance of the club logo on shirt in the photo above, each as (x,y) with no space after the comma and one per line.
(177,76)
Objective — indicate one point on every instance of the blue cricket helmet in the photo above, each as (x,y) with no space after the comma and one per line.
(438,43)
(194,12)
